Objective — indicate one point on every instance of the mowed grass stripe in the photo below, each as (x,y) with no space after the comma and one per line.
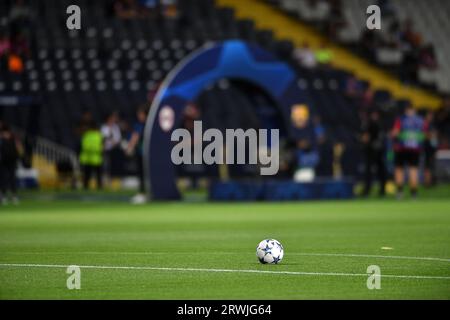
(346,255)
(300,273)
(320,237)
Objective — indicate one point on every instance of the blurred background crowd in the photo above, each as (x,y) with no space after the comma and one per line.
(78,100)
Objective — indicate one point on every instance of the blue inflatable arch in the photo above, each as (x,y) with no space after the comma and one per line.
(230,59)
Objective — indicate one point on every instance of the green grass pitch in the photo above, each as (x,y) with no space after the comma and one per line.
(207,250)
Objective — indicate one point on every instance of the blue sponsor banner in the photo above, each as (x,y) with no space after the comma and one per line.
(280,190)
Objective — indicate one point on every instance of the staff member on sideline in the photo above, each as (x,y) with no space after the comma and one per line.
(91,155)
(111,144)
(409,134)
(10,151)
(136,147)
(374,146)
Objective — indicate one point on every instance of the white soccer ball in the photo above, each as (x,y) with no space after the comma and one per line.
(270,251)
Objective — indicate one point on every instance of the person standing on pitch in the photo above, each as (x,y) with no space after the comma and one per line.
(91,156)
(374,142)
(136,147)
(112,138)
(430,147)
(409,134)
(10,151)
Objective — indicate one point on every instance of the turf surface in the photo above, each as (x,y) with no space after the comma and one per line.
(323,238)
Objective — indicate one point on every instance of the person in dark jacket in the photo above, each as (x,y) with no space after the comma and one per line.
(374,145)
(10,149)
(430,148)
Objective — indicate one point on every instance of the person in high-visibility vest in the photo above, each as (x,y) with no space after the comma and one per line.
(91,156)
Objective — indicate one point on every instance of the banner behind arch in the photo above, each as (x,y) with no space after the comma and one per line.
(230,59)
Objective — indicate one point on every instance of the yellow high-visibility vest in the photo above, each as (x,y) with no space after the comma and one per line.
(91,148)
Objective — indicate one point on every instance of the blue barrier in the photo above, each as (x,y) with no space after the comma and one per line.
(280,190)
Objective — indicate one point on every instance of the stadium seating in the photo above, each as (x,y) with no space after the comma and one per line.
(429,18)
(112,64)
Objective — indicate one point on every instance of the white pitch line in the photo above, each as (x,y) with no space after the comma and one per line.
(351,255)
(301,273)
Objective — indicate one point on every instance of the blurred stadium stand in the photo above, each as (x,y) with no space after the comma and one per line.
(348,19)
(113,64)
(110,64)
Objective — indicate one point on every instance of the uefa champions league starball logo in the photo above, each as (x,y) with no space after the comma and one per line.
(270,251)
